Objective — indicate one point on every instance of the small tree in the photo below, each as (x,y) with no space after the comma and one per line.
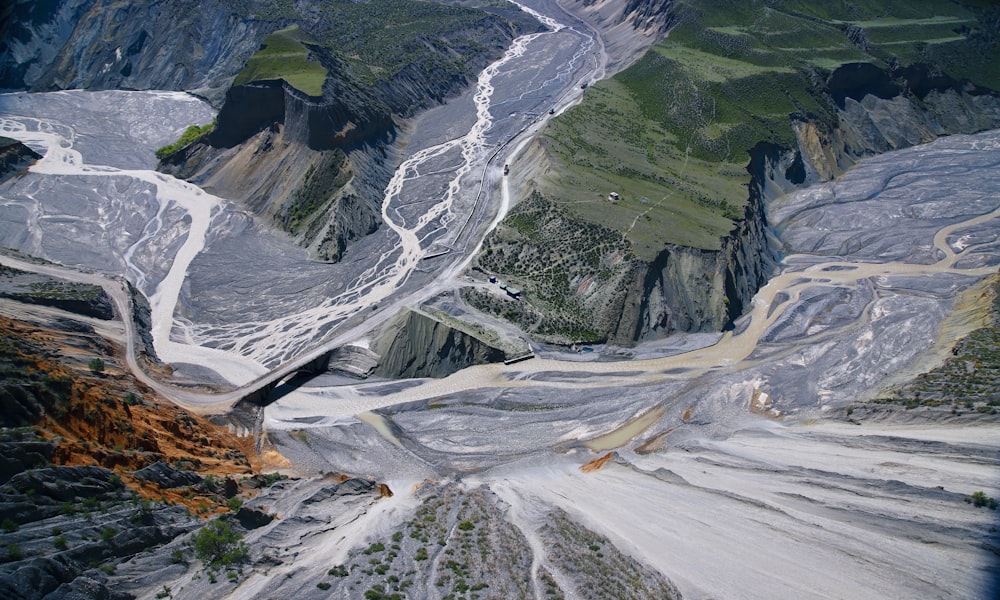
(96,366)
(217,545)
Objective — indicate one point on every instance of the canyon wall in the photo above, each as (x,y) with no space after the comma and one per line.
(418,345)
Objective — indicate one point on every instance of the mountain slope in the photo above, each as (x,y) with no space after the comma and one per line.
(799,92)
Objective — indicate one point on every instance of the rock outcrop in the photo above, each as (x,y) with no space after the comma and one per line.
(274,152)
(417,345)
(695,290)
(582,283)
(15,158)
(880,110)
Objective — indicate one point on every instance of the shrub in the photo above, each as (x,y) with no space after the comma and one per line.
(96,366)
(323,585)
(376,547)
(60,543)
(14,552)
(980,499)
(9,525)
(216,544)
(338,571)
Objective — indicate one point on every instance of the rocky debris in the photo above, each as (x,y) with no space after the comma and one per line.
(40,493)
(457,542)
(167,477)
(597,463)
(966,383)
(73,550)
(627,28)
(460,541)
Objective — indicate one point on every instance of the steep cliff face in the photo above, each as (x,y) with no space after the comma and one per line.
(326,199)
(100,44)
(417,345)
(581,282)
(689,289)
(880,110)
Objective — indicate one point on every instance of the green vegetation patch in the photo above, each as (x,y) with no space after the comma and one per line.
(321,182)
(970,378)
(549,253)
(217,544)
(630,140)
(190,134)
(285,55)
(671,133)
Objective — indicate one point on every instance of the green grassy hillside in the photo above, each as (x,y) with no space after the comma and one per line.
(283,55)
(671,133)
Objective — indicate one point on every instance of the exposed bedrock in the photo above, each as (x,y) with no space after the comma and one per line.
(317,122)
(418,345)
(696,290)
(15,158)
(312,168)
(879,111)
(627,28)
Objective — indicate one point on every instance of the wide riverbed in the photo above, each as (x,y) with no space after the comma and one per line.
(728,479)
